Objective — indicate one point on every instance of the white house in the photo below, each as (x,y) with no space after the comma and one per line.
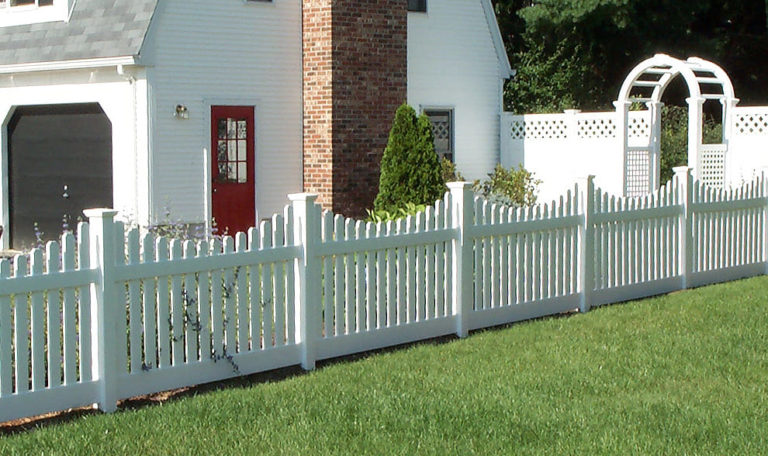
(217,109)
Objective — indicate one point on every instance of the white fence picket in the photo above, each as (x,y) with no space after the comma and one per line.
(6,335)
(84,309)
(54,326)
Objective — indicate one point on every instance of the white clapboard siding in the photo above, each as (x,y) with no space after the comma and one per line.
(111,314)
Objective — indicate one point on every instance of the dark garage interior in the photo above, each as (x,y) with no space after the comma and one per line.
(59,163)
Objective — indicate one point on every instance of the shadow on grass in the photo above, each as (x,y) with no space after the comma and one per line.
(139,402)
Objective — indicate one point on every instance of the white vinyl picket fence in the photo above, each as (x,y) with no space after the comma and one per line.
(114,314)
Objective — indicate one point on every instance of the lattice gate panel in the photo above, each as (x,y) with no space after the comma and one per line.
(638,172)
(711,169)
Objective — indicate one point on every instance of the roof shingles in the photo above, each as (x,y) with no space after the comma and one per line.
(90,33)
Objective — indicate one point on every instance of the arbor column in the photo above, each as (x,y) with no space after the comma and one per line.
(655,144)
(695,113)
(622,121)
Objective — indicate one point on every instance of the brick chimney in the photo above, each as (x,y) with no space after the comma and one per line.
(355,77)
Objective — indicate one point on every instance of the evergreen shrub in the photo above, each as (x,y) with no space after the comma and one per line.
(410,169)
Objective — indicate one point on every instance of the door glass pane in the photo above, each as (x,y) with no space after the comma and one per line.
(242,148)
(232,150)
(242,173)
(232,172)
(242,129)
(231,128)
(222,129)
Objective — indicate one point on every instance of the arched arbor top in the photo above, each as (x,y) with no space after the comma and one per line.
(649,79)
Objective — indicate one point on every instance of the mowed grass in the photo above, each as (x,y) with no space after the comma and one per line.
(679,374)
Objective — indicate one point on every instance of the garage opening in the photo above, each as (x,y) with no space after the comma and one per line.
(59,163)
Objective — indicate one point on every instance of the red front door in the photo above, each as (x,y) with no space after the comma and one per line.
(233,187)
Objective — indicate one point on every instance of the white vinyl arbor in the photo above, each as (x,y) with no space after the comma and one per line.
(646,84)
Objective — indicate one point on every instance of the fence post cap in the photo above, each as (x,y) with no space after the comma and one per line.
(100,213)
(682,170)
(308,197)
(459,185)
(622,104)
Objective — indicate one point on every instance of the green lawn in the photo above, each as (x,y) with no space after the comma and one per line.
(679,374)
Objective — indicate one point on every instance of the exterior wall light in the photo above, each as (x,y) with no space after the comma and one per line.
(181,112)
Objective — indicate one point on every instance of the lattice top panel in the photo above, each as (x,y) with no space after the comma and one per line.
(639,127)
(596,128)
(750,123)
(538,129)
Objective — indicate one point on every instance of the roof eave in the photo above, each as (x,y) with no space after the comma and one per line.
(68,64)
(505,69)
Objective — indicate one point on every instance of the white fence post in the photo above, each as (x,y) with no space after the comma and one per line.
(587,243)
(104,308)
(462,267)
(622,140)
(685,186)
(764,193)
(307,284)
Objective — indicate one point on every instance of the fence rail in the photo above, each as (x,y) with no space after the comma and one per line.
(110,314)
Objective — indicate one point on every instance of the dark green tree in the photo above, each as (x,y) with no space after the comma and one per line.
(576,53)
(410,169)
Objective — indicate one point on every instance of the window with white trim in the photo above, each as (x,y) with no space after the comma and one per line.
(442,129)
(21,12)
(27,3)
(417,5)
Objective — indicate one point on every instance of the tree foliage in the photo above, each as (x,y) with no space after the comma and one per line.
(410,170)
(576,53)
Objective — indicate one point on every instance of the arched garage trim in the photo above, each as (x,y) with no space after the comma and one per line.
(116,96)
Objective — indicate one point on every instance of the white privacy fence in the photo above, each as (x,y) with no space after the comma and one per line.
(559,147)
(747,152)
(125,314)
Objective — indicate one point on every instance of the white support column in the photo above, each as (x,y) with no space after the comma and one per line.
(306,234)
(622,137)
(684,180)
(462,219)
(654,108)
(728,107)
(105,308)
(586,243)
(695,113)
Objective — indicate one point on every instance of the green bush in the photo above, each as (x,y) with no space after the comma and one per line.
(386,216)
(450,171)
(512,187)
(410,170)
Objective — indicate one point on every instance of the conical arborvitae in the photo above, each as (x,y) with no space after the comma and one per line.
(410,169)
